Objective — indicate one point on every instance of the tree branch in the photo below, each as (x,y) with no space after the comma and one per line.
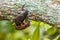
(33,16)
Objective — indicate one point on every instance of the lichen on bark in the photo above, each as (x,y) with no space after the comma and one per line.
(47,11)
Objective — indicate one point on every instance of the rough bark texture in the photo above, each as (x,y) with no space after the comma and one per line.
(47,11)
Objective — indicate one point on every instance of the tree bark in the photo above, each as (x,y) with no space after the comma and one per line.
(32,16)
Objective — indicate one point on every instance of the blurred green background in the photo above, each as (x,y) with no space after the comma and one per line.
(8,31)
(36,31)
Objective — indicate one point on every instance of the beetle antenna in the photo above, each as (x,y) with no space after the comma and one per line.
(23,7)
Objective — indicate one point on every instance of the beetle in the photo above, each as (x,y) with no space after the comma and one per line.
(23,26)
(19,20)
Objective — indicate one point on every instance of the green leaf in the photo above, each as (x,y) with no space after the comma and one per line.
(51,31)
(6,26)
(51,37)
(58,31)
(34,23)
(35,35)
(46,26)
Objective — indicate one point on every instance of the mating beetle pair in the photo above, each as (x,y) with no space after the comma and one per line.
(19,20)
